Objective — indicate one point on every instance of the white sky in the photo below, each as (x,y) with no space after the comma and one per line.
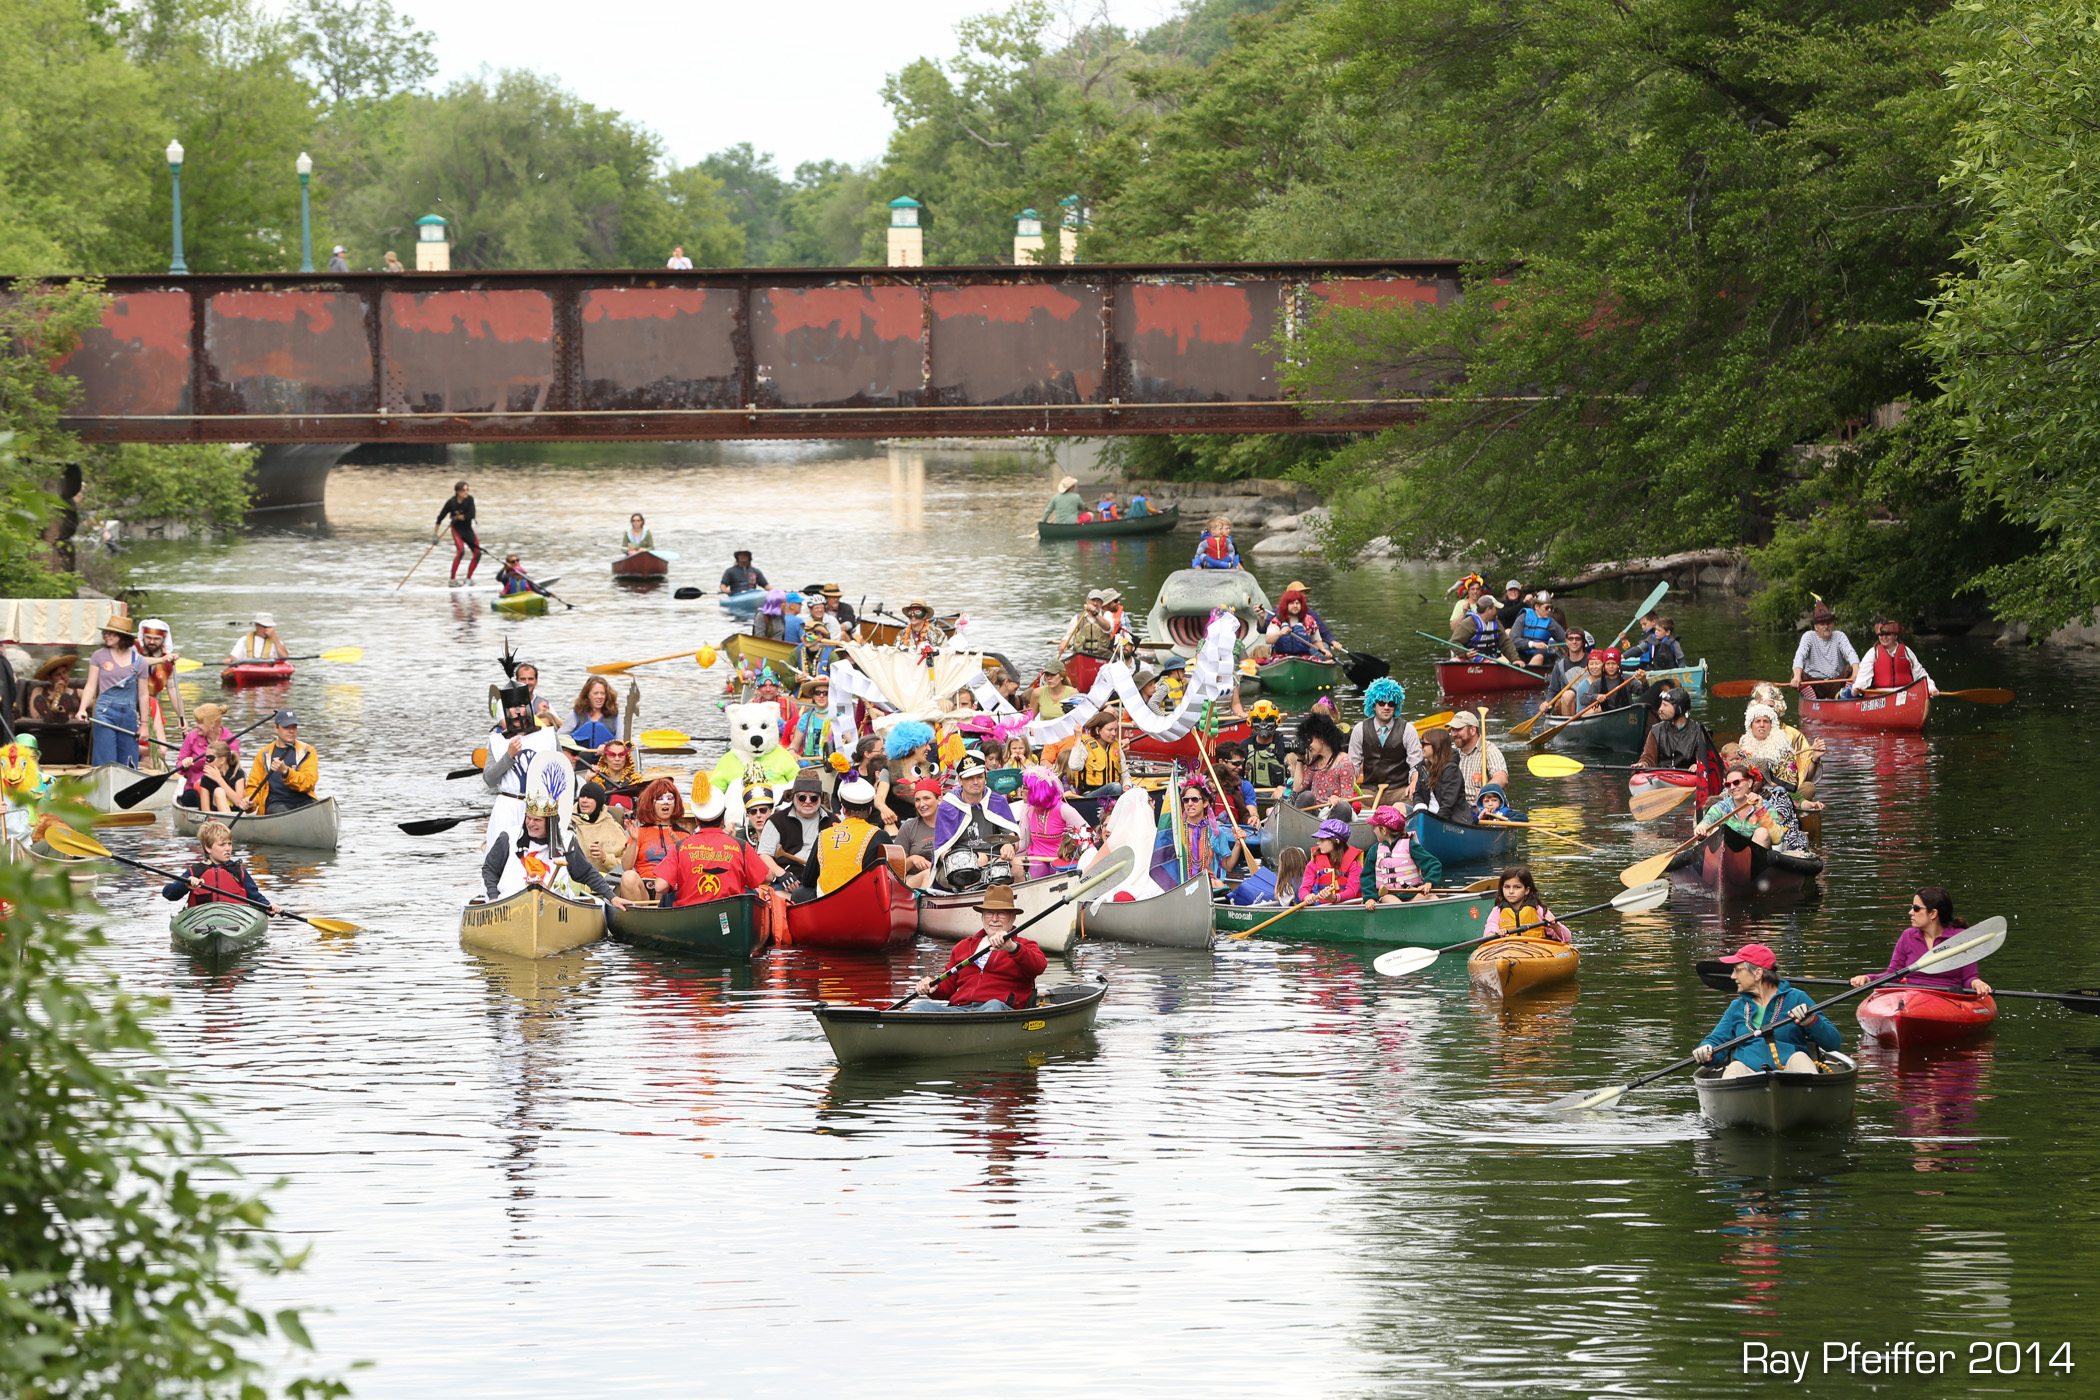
(802,79)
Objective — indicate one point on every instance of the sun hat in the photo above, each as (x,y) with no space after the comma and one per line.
(1333,829)
(1388,817)
(1067,483)
(999,899)
(1756,954)
(263,619)
(119,624)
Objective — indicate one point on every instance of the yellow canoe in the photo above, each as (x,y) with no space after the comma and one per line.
(1511,965)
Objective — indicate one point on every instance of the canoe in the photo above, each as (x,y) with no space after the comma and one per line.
(1186,747)
(257,673)
(1298,675)
(1419,923)
(82,870)
(743,647)
(872,911)
(1902,709)
(314,826)
(1080,670)
(1177,918)
(1508,966)
(1735,867)
(1778,1102)
(1662,777)
(1485,677)
(715,928)
(1692,678)
(1455,843)
(217,930)
(1056,933)
(105,781)
(642,564)
(870,1034)
(1159,522)
(952,917)
(520,604)
(1925,1015)
(744,602)
(533,923)
(1620,730)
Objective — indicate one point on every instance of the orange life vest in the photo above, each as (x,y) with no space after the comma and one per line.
(840,851)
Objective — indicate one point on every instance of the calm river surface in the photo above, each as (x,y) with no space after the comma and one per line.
(1275,1172)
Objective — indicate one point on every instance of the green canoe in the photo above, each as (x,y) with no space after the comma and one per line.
(520,604)
(218,930)
(1420,923)
(1159,522)
(718,928)
(1298,675)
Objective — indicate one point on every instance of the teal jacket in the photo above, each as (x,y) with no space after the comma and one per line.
(1743,1016)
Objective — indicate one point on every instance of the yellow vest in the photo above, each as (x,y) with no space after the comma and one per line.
(1101,764)
(840,850)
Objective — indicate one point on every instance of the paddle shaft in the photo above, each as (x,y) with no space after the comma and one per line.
(419,561)
(1548,735)
(2091,1007)
(173,875)
(1647,606)
(1533,826)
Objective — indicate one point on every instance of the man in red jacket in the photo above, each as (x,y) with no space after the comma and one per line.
(992,971)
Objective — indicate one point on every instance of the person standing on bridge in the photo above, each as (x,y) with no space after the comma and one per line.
(339,260)
(679,261)
(459,509)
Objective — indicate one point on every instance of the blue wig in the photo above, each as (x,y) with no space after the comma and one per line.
(1383,689)
(905,736)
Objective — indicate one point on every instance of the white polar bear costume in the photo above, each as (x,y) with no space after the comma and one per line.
(754,748)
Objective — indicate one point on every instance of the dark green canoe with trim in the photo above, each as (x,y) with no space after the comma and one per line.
(1158,522)
(218,930)
(1623,729)
(1298,675)
(717,928)
(1435,922)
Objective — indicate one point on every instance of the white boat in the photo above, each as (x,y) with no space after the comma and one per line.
(314,827)
(954,917)
(105,780)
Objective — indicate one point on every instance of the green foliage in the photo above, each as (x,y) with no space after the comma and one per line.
(1219,456)
(123,1242)
(203,484)
(815,220)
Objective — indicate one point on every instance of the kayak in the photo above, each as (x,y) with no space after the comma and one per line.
(1435,922)
(1925,1015)
(1620,730)
(870,1034)
(218,930)
(520,604)
(1175,918)
(872,911)
(1901,709)
(1187,747)
(1662,777)
(1777,1101)
(1735,867)
(1692,678)
(1159,522)
(715,928)
(744,602)
(256,673)
(1297,675)
(314,827)
(642,564)
(1457,843)
(1485,677)
(533,923)
(1507,966)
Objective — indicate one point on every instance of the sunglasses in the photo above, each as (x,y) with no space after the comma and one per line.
(1917,908)
(805,797)
(1737,782)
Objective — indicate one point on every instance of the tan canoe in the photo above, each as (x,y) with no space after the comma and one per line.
(533,923)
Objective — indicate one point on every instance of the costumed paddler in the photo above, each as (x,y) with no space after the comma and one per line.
(541,850)
(22,785)
(1001,967)
(847,847)
(973,812)
(711,862)
(513,746)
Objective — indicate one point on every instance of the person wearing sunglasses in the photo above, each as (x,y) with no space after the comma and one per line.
(1931,920)
(1889,666)
(1742,807)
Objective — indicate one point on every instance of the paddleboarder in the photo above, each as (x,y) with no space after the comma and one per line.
(458,512)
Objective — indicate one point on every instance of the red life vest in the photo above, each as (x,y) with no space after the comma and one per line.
(1217,547)
(1892,672)
(222,885)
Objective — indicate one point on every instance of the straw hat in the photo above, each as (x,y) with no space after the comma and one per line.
(1067,483)
(119,624)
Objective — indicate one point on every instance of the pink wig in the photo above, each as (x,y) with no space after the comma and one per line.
(1041,787)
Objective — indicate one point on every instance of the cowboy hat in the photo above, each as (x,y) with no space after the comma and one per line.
(999,899)
(119,624)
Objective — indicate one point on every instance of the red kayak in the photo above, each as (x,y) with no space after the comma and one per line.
(256,673)
(872,911)
(1485,677)
(1925,1015)
(1662,777)
(1185,748)
(1891,709)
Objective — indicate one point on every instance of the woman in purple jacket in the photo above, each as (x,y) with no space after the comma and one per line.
(1931,920)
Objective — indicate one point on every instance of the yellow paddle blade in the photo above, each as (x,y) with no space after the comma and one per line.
(663,739)
(64,839)
(1552,765)
(188,664)
(1652,868)
(1436,721)
(343,654)
(481,758)
(1647,806)
(333,926)
(125,818)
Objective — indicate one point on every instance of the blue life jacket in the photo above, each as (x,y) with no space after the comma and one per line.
(591,734)
(1487,631)
(1537,627)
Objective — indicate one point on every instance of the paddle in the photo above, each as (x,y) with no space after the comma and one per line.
(1112,870)
(1647,606)
(1647,806)
(76,843)
(129,797)
(1548,831)
(1715,974)
(544,591)
(188,664)
(621,668)
(1470,651)
(1480,886)
(1736,690)
(1547,737)
(1362,668)
(1559,765)
(1523,731)
(419,563)
(1402,961)
(430,826)
(463,773)
(1983,940)
(1435,721)
(663,739)
(124,819)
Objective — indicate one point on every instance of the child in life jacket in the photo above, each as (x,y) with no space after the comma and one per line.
(1215,550)
(218,878)
(1494,806)
(1519,912)
(1393,870)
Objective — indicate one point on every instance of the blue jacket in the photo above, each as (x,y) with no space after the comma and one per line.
(1820,1034)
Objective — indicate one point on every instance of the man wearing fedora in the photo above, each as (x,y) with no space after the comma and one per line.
(994,970)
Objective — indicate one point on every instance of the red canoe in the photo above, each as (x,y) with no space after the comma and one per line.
(1080,670)
(641,564)
(872,911)
(1925,1015)
(1185,748)
(1735,867)
(1896,709)
(1485,677)
(257,673)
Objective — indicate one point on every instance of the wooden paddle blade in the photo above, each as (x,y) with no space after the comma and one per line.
(1647,806)
(125,818)
(138,792)
(1985,696)
(1642,898)
(333,925)
(1482,885)
(1652,868)
(1732,690)
(1402,961)
(430,826)
(60,837)
(1552,765)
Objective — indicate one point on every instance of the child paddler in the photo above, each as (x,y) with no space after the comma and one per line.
(1519,912)
(218,878)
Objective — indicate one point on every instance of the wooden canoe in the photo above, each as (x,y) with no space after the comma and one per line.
(1159,522)
(1507,966)
(642,564)
(1298,675)
(1459,843)
(1177,918)
(1735,867)
(257,673)
(533,923)
(716,928)
(1432,922)
(872,1034)
(315,827)
(218,930)
(1925,1015)
(872,911)
(1485,677)
(1899,709)
(745,647)
(1779,1102)
(520,604)
(1620,730)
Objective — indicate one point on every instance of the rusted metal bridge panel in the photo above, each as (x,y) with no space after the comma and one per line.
(1085,350)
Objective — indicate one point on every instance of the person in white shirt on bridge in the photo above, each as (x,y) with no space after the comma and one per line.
(679,261)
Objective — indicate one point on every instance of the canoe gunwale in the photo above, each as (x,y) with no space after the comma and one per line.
(299,829)
(1778,1101)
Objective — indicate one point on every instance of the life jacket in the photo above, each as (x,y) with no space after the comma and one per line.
(840,851)
(653,846)
(1218,547)
(593,734)
(1265,765)
(1329,878)
(1487,631)
(1529,917)
(1892,672)
(1537,627)
(222,884)
(1396,867)
(1101,764)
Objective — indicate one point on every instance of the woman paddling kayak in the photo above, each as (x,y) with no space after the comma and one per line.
(1931,920)
(1784,1014)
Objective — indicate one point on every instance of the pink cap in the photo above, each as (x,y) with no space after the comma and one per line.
(1388,817)
(1756,954)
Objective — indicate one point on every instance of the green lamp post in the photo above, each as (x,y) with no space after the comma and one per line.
(175,170)
(305,166)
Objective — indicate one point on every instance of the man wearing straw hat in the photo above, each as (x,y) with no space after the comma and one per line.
(1066,504)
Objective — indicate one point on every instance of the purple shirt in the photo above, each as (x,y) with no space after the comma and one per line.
(1911,946)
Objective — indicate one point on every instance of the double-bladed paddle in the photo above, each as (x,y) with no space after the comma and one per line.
(1402,961)
(1981,941)
(346,654)
(1646,806)
(76,843)
(1715,974)
(621,668)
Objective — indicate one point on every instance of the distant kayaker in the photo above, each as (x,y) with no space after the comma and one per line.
(1065,506)
(260,642)
(286,771)
(458,512)
(1140,505)
(1890,665)
(513,579)
(1519,912)
(993,970)
(638,537)
(740,577)
(1784,1014)
(1824,659)
(1931,921)
(218,878)
(113,698)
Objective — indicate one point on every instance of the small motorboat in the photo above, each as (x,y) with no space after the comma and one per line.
(1777,1101)
(862,1035)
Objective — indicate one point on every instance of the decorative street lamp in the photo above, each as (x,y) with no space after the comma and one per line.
(175,169)
(305,167)
(1028,237)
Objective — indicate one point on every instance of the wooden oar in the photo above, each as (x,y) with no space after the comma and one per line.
(1736,690)
(1480,886)
(1654,866)
(1523,731)
(1547,737)
(76,843)
(125,819)
(1544,830)
(1402,961)
(1112,869)
(419,562)
(1983,940)
(1647,806)
(1715,974)
(621,668)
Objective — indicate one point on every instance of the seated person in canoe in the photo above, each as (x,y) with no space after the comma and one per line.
(638,537)
(921,627)
(598,828)
(1385,748)
(1890,665)
(821,623)
(1396,872)
(207,728)
(1569,667)
(1065,506)
(1658,649)
(285,770)
(1215,550)
(1780,803)
(1494,806)
(617,767)
(1296,630)
(1537,635)
(1105,508)
(526,674)
(220,787)
(975,813)
(1140,505)
(259,643)
(994,970)
(1050,820)
(1675,740)
(1824,660)
(759,804)
(1322,773)
(1091,632)
(916,834)
(512,578)
(1519,912)
(218,878)
(655,831)
(1213,844)
(1335,873)
(1766,1002)
(1263,885)
(740,577)
(1470,590)
(809,737)
(541,853)
(595,718)
(1741,808)
(1606,684)
(1479,761)
(711,863)
(1440,779)
(1268,754)
(790,836)
(1931,921)
(1770,742)
(847,847)
(1238,801)
(1481,633)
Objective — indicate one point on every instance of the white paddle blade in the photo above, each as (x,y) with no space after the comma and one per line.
(1652,895)
(1112,869)
(1978,942)
(1402,961)
(1588,1098)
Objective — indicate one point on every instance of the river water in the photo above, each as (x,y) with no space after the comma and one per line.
(1273,1173)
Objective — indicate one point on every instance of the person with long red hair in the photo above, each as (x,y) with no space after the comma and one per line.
(654,833)
(1296,630)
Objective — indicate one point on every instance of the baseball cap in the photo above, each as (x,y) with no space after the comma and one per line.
(1756,954)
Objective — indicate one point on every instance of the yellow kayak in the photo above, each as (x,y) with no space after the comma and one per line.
(520,604)
(1511,965)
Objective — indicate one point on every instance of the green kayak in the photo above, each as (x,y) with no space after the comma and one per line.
(1298,675)
(520,604)
(717,928)
(1420,923)
(218,930)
